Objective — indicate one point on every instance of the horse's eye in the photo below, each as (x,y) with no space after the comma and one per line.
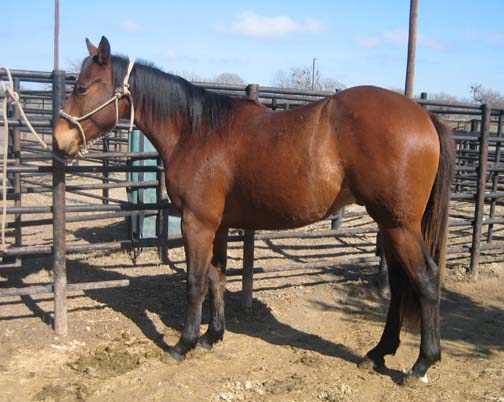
(81,89)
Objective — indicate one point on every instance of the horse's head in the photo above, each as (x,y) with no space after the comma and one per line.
(86,114)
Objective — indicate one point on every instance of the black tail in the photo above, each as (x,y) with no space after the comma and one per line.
(435,218)
(434,222)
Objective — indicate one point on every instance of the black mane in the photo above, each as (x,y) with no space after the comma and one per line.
(159,95)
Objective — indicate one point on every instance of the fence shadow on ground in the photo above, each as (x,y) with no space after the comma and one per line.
(463,320)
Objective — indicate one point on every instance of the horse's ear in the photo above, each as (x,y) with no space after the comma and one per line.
(104,51)
(91,48)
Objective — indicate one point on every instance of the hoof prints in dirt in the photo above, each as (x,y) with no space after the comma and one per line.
(293,387)
(76,392)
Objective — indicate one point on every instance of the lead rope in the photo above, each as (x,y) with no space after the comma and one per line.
(7,92)
(11,96)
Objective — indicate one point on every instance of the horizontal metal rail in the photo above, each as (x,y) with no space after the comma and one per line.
(468,173)
(125,206)
(71,287)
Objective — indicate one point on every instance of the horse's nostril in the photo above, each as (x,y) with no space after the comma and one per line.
(69,147)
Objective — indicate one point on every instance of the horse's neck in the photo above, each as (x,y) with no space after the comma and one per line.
(164,135)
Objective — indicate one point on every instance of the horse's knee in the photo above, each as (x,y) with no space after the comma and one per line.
(197,286)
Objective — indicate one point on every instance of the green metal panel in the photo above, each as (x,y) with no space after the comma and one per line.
(144,227)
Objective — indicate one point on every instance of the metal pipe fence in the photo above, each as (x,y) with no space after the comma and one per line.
(478,187)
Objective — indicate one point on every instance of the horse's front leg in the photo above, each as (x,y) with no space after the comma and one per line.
(217,284)
(198,241)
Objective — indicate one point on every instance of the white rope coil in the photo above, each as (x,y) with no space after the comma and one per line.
(12,97)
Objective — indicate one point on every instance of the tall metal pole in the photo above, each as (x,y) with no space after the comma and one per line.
(56,34)
(313,74)
(410,68)
(59,238)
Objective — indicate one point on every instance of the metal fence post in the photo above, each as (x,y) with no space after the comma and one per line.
(337,219)
(163,218)
(15,138)
(252,92)
(480,191)
(412,42)
(105,179)
(59,240)
(248,269)
(495,177)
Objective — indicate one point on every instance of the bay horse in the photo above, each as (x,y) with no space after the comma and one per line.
(232,162)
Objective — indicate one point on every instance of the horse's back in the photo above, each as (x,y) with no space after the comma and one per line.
(363,144)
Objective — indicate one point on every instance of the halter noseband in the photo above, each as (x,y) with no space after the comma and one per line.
(121,92)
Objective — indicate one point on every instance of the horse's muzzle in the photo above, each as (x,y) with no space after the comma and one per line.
(67,139)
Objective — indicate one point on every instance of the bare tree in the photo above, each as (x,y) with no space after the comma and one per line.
(301,78)
(229,78)
(191,76)
(330,84)
(444,97)
(481,94)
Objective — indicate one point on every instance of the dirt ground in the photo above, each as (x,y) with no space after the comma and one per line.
(301,341)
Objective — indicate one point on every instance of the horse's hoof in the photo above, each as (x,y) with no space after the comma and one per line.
(366,364)
(210,338)
(172,353)
(411,380)
(369,364)
(205,343)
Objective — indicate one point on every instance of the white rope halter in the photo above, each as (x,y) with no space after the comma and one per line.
(120,93)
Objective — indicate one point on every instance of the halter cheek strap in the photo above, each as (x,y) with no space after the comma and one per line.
(122,92)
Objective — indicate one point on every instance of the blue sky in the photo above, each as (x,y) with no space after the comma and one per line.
(355,42)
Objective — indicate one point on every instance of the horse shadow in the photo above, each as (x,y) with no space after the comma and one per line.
(164,295)
(463,320)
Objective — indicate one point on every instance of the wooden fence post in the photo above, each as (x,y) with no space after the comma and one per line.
(480,191)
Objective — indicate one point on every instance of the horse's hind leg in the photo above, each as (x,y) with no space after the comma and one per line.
(430,348)
(414,280)
(390,339)
(216,326)
(219,258)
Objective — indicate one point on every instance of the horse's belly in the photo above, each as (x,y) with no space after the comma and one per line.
(273,205)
